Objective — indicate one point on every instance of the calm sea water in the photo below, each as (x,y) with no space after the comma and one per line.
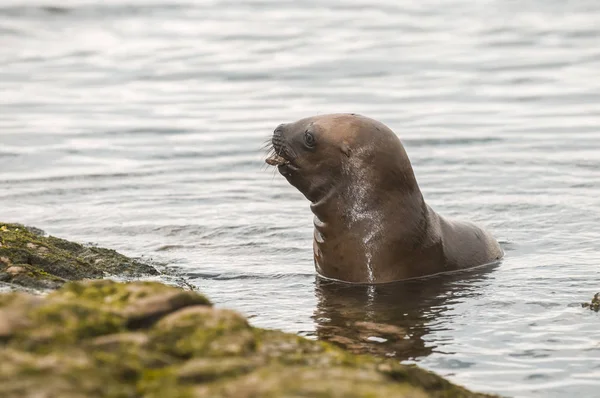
(137,125)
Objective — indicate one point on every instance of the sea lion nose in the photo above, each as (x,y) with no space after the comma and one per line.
(279,129)
(278,139)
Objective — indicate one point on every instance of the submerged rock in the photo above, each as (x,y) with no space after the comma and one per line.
(28,259)
(594,305)
(110,339)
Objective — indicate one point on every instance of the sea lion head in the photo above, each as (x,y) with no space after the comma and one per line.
(320,153)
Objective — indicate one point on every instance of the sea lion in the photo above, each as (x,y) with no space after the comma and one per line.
(371,222)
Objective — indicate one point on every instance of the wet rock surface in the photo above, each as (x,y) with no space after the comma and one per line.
(109,339)
(31,260)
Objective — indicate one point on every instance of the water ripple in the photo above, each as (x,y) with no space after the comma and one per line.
(138,125)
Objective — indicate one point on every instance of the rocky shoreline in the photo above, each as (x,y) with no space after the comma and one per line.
(31,260)
(101,338)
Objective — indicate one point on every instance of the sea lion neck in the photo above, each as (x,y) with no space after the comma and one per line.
(327,205)
(350,203)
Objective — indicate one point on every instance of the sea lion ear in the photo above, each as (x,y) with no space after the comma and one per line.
(345,148)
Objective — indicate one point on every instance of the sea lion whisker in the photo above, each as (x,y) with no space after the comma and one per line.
(293,154)
(267,145)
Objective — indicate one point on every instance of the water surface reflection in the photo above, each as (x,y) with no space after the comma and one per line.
(391,319)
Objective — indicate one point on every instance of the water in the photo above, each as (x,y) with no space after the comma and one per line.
(137,125)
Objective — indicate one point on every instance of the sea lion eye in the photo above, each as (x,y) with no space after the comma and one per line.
(309,139)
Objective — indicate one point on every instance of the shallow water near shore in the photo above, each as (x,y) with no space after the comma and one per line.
(137,126)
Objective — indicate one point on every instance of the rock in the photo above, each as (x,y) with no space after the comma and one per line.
(146,310)
(109,339)
(28,259)
(15,270)
(13,313)
(201,370)
(594,305)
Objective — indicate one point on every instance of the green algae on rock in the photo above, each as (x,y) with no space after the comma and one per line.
(109,339)
(594,305)
(29,259)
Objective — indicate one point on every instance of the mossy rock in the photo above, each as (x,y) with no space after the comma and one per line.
(110,339)
(593,305)
(29,259)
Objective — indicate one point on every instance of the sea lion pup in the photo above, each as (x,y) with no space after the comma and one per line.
(372,224)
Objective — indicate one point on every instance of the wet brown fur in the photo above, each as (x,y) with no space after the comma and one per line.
(372,224)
